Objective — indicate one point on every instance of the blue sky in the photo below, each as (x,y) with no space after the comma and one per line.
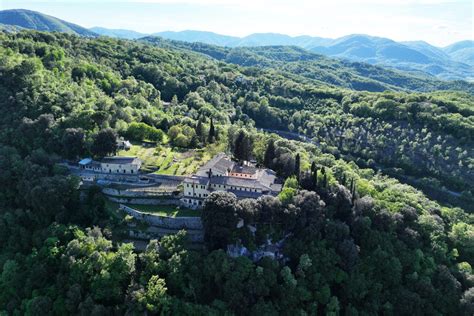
(439,22)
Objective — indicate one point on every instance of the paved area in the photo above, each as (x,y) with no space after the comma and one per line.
(141,180)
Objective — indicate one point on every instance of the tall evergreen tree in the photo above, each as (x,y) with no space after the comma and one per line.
(297,166)
(313,167)
(200,131)
(315,178)
(353,190)
(325,177)
(212,132)
(243,146)
(269,154)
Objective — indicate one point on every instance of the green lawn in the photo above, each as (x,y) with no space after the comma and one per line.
(168,160)
(166,210)
(162,210)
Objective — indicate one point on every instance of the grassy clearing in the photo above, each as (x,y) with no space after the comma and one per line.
(166,210)
(162,210)
(168,160)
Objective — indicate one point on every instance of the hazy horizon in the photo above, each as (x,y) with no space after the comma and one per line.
(438,22)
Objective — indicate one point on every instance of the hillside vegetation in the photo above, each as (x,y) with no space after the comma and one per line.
(304,66)
(454,62)
(354,240)
(41,22)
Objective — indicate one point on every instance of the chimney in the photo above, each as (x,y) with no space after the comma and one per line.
(210,173)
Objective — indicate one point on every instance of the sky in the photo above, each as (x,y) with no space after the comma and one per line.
(438,22)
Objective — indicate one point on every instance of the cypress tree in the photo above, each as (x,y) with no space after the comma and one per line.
(313,167)
(297,166)
(269,154)
(325,177)
(315,179)
(199,131)
(212,132)
(354,193)
(243,146)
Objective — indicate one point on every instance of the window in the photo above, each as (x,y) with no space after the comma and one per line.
(131,171)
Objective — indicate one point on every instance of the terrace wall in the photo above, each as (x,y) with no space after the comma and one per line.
(145,201)
(173,223)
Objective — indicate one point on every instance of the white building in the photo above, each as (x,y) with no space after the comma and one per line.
(123,144)
(115,165)
(223,174)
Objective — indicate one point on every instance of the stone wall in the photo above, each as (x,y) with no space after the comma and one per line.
(148,201)
(137,193)
(174,223)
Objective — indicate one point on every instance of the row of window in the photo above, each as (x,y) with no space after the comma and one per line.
(193,202)
(110,170)
(197,186)
(222,187)
(243,175)
(118,171)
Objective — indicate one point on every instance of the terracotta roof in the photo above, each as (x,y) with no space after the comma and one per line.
(219,164)
(244,169)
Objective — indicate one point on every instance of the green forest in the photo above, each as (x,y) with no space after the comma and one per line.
(376,212)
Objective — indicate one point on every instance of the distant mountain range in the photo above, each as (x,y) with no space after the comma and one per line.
(450,63)
(118,33)
(454,62)
(38,21)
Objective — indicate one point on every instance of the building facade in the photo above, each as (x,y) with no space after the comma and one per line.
(223,174)
(115,165)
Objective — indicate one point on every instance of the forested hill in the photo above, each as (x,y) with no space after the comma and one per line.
(41,22)
(288,59)
(320,69)
(452,62)
(353,239)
